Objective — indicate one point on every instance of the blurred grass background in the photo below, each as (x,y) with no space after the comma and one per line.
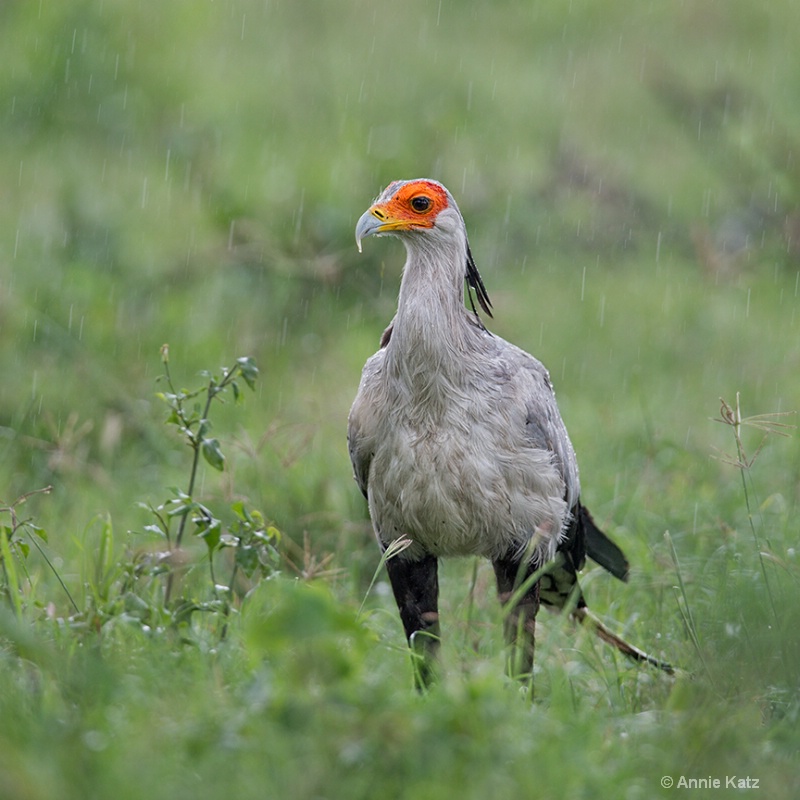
(191,173)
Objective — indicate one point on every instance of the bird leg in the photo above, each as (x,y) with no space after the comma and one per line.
(416,589)
(520,613)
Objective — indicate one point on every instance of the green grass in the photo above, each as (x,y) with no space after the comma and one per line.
(191,174)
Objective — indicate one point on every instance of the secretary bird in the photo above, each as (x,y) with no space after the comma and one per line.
(458,445)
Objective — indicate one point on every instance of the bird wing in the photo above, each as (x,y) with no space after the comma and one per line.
(545,429)
(362,421)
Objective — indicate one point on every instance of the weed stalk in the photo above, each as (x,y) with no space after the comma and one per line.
(732,416)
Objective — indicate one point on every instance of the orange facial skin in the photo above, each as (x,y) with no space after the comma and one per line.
(414,205)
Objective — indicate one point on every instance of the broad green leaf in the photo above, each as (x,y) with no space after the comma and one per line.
(40,532)
(249,370)
(247,559)
(209,531)
(239,510)
(181,508)
(212,454)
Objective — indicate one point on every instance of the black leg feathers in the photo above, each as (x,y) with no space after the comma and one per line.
(416,589)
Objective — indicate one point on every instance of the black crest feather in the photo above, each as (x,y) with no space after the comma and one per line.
(475,284)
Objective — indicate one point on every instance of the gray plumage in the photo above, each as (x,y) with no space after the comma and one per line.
(455,436)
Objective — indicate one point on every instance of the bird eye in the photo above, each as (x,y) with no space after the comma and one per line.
(420,203)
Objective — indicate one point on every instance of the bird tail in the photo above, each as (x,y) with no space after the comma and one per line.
(600,548)
(586,617)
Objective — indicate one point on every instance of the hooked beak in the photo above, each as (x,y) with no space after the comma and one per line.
(367,225)
(375,220)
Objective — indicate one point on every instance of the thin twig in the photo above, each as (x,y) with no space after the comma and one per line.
(732,416)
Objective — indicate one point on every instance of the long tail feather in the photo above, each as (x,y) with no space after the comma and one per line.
(600,548)
(584,616)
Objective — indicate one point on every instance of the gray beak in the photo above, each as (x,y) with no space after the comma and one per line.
(367,225)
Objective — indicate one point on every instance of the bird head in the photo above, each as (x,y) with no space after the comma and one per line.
(422,212)
(418,206)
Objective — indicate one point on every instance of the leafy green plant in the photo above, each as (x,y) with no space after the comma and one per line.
(16,539)
(251,539)
(141,587)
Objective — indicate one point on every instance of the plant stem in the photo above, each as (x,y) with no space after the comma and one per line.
(744,470)
(54,570)
(196,443)
(686,611)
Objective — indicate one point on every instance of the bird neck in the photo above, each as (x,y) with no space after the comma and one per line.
(429,335)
